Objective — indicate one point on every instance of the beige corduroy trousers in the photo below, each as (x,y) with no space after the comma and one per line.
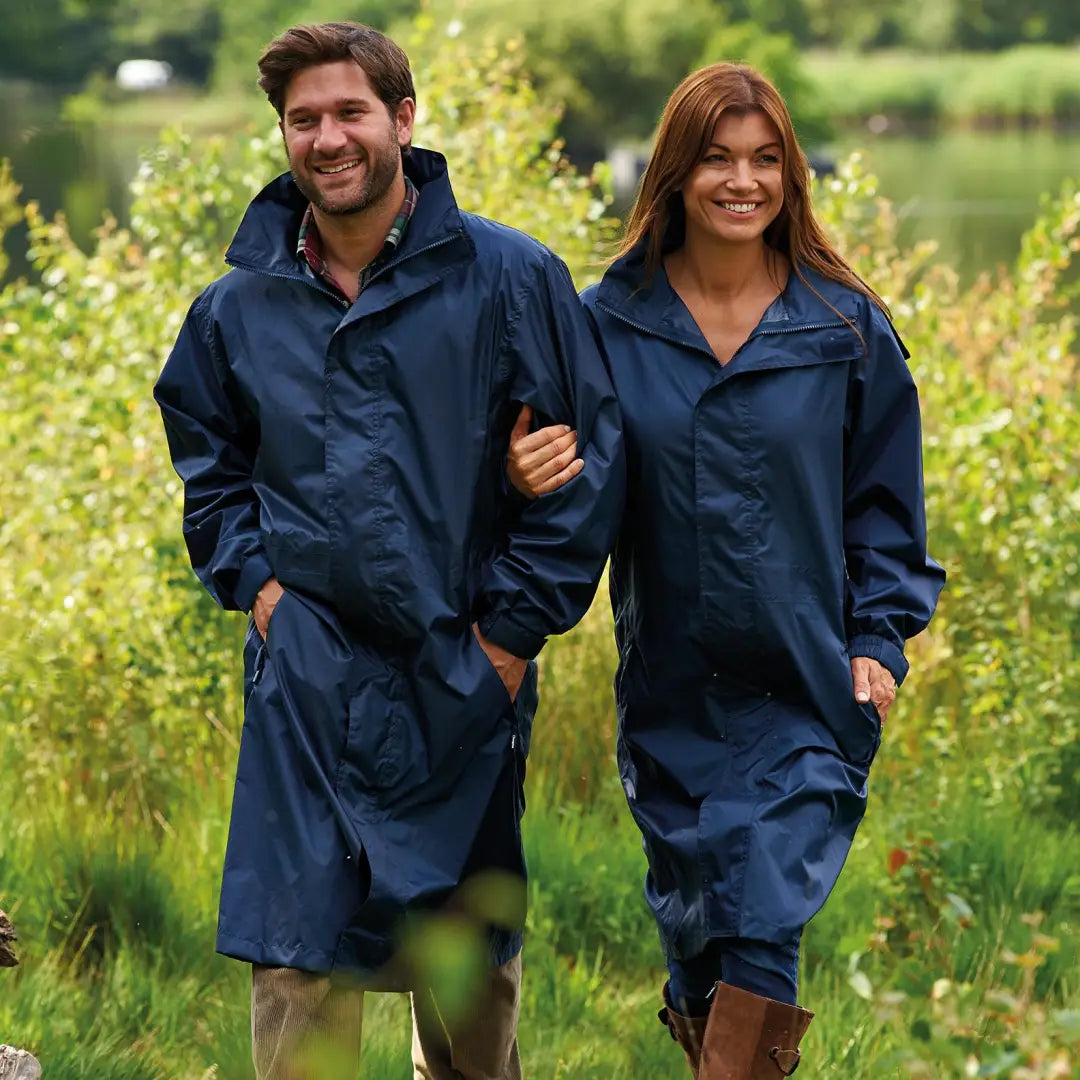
(306,1026)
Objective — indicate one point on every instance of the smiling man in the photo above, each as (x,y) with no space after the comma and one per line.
(338,405)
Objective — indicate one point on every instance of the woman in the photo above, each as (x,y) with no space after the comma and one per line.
(771,562)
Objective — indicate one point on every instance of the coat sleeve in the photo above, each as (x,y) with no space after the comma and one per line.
(543,578)
(892,584)
(213,439)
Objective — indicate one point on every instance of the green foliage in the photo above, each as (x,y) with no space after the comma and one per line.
(478,108)
(939,25)
(777,57)
(9,210)
(1023,84)
(246,29)
(613,62)
(950,947)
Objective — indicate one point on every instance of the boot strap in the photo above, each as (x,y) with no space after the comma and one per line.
(685,1039)
(785,1058)
(664,1019)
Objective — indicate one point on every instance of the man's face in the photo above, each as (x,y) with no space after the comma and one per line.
(344,148)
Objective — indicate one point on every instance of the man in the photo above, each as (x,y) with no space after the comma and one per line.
(338,406)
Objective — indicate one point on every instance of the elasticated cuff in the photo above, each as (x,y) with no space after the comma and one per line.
(881,650)
(255,573)
(503,631)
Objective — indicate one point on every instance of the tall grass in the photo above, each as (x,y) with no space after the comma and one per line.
(119,979)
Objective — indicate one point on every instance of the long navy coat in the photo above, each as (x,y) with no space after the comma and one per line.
(774,528)
(356,452)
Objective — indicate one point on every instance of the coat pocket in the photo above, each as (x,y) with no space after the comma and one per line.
(861,736)
(254,660)
(491,674)
(380,743)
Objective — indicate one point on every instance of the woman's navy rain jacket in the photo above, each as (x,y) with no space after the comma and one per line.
(356,452)
(774,528)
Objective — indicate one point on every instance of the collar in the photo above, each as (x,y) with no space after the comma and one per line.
(309,247)
(266,239)
(805,301)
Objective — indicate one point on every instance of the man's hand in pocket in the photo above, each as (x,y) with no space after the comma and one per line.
(265,602)
(510,668)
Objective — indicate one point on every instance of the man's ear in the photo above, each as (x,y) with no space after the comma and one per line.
(404,117)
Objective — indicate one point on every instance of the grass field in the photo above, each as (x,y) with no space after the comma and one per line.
(974,938)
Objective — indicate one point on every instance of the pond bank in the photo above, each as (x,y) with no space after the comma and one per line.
(1030,85)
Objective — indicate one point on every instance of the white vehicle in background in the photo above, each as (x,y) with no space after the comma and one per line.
(143,75)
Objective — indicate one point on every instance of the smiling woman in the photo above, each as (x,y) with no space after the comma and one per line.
(741,172)
(771,562)
(730,198)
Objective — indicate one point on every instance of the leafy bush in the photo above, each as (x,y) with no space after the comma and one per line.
(950,946)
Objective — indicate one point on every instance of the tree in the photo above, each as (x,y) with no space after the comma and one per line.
(775,56)
(613,62)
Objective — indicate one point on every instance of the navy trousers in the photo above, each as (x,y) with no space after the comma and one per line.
(762,968)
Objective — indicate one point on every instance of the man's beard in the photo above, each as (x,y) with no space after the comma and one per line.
(381,168)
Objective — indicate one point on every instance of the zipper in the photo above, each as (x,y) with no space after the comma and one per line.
(410,255)
(797,329)
(653,332)
(302,278)
(781,330)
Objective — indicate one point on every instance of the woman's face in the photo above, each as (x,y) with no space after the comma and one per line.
(737,188)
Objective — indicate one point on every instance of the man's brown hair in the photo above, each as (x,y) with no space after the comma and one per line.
(301,47)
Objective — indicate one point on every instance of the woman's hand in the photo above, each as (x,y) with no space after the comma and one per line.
(873,683)
(543,461)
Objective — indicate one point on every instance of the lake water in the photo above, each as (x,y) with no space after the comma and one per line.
(973,192)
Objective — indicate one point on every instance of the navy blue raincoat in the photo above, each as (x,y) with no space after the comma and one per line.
(774,529)
(356,453)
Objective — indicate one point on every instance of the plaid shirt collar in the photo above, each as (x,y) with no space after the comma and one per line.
(309,243)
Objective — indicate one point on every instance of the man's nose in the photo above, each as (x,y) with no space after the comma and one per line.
(330,138)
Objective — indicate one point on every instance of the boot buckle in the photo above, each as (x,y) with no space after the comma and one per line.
(785,1058)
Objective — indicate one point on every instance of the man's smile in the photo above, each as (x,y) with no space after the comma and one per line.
(332,170)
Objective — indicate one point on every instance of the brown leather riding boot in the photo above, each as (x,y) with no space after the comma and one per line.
(750,1037)
(687,1031)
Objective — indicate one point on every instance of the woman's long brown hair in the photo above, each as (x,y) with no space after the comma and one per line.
(686,129)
